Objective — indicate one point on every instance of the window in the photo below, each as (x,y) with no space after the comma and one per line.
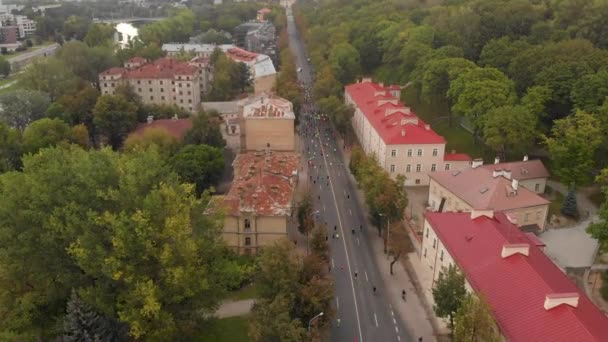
(419,152)
(188,85)
(138,82)
(434,243)
(180,92)
(427,233)
(179,85)
(409,152)
(172,82)
(417,181)
(247,224)
(162,98)
(538,215)
(105,91)
(161,82)
(189,92)
(181,101)
(113,85)
(433,167)
(408,168)
(139,90)
(190,108)
(150,89)
(441,256)
(434,152)
(447,167)
(149,82)
(189,100)
(537,187)
(393,153)
(418,167)
(526,217)
(179,78)
(424,253)
(392,168)
(105,84)
(162,90)
(247,241)
(151,97)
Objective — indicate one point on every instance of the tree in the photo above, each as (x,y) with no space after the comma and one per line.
(278,270)
(83,323)
(201,165)
(498,53)
(76,27)
(99,34)
(345,62)
(10,148)
(80,136)
(474,322)
(76,108)
(599,230)
(510,129)
(449,293)
(270,321)
(535,99)
(304,214)
(20,107)
(166,143)
(48,75)
(87,62)
(5,67)
(318,243)
(572,145)
(569,207)
(204,131)
(326,84)
(45,133)
(114,116)
(590,92)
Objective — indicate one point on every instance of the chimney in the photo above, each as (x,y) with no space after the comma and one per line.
(477,162)
(477,213)
(427,127)
(515,248)
(525,157)
(496,160)
(497,173)
(402,132)
(174,117)
(556,299)
(515,184)
(506,173)
(150,119)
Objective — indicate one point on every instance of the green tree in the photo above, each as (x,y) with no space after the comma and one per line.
(76,108)
(87,62)
(5,67)
(10,148)
(590,92)
(45,133)
(304,214)
(345,62)
(114,117)
(270,321)
(474,322)
(99,34)
(572,145)
(510,129)
(498,53)
(166,143)
(80,136)
(326,84)
(535,99)
(204,131)
(569,207)
(201,165)
(449,293)
(49,75)
(20,107)
(318,243)
(76,27)
(599,230)
(83,323)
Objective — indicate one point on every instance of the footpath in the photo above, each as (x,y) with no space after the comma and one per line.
(235,308)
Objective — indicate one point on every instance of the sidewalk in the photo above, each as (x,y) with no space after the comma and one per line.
(231,309)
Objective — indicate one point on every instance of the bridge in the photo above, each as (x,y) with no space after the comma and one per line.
(126,20)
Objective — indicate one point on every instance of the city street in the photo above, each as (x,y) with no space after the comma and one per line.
(364,314)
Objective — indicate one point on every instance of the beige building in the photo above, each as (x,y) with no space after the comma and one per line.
(267,121)
(261,200)
(531,174)
(165,81)
(530,298)
(402,142)
(480,188)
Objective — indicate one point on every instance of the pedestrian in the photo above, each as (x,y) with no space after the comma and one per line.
(335,228)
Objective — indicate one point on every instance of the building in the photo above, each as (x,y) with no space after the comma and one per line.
(267,121)
(258,207)
(531,299)
(263,72)
(479,188)
(125,34)
(165,81)
(175,127)
(402,142)
(10,34)
(263,40)
(27,27)
(23,26)
(531,174)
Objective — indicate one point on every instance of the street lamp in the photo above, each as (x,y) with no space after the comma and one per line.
(388,232)
(312,319)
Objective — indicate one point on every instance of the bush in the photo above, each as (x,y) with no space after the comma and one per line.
(570,208)
(29,43)
(3,50)
(604,289)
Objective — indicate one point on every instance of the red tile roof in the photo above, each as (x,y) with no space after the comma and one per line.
(401,126)
(265,10)
(162,68)
(516,286)
(137,59)
(114,71)
(457,157)
(522,170)
(241,55)
(263,184)
(481,190)
(175,127)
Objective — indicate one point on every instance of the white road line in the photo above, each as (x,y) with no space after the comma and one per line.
(394,321)
(392,313)
(365,274)
(376,319)
(351,212)
(350,271)
(332,263)
(324,207)
(396,329)
(337,303)
(358,243)
(398,338)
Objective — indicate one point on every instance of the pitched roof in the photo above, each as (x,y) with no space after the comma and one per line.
(162,68)
(481,190)
(401,126)
(175,127)
(137,59)
(263,184)
(241,55)
(114,71)
(516,286)
(522,170)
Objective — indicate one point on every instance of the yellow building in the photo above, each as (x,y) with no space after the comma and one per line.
(260,202)
(267,121)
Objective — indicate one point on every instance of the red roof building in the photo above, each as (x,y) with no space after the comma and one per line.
(530,297)
(402,142)
(175,127)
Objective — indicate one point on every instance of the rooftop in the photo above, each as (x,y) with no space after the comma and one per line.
(457,157)
(522,169)
(162,68)
(268,106)
(482,188)
(175,127)
(394,122)
(263,183)
(531,299)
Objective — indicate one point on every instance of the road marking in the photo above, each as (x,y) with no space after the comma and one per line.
(351,212)
(337,303)
(394,321)
(392,313)
(396,329)
(332,263)
(398,338)
(366,276)
(376,319)
(350,271)
(358,243)
(324,207)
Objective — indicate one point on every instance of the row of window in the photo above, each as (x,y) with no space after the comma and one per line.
(411,151)
(408,167)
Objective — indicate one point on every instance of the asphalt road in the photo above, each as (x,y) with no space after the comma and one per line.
(364,315)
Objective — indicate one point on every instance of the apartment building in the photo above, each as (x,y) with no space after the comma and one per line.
(400,140)
(267,121)
(530,298)
(258,207)
(165,81)
(481,188)
(531,174)
(27,27)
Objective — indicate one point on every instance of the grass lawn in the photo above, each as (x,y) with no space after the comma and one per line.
(233,329)
(248,292)
(11,88)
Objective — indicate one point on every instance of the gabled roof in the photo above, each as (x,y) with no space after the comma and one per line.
(114,71)
(402,126)
(516,286)
(175,127)
(457,157)
(522,170)
(481,190)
